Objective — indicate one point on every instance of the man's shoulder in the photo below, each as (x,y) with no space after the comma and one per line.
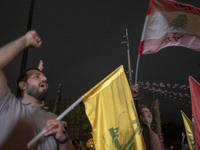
(9,99)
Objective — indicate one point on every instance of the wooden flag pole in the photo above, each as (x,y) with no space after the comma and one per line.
(130,71)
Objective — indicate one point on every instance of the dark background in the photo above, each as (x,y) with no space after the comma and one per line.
(82,45)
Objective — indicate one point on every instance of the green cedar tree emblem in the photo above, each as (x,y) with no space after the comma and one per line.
(130,145)
(179,22)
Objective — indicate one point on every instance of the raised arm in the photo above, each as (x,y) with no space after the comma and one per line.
(11,50)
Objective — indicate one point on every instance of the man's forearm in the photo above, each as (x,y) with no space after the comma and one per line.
(12,49)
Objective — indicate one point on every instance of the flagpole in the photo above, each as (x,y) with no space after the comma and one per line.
(136,70)
(37,137)
(130,71)
(56,108)
(129,60)
(25,53)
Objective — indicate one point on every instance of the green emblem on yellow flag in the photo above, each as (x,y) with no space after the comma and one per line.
(111,112)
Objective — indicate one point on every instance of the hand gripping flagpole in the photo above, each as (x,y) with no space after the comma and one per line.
(37,137)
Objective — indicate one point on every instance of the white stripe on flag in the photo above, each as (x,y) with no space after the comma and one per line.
(157,24)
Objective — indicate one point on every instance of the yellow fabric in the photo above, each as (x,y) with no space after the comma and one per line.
(112,114)
(188,130)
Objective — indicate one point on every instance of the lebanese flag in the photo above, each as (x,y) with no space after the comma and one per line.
(170,23)
(195,100)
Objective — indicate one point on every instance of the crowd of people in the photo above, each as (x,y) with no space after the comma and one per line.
(23,117)
(151,138)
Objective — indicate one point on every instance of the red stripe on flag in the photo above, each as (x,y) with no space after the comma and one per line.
(195,99)
(150,6)
(141,48)
(172,5)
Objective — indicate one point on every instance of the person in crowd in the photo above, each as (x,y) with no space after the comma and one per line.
(134,92)
(137,97)
(77,144)
(184,145)
(23,118)
(152,139)
(171,147)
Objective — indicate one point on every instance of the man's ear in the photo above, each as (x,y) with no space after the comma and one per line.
(22,85)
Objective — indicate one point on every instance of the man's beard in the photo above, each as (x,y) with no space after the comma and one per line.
(34,92)
(147,120)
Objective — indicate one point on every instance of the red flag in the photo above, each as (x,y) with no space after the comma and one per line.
(170,23)
(195,99)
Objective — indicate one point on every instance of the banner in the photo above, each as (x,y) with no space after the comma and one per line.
(195,100)
(112,114)
(188,130)
(170,23)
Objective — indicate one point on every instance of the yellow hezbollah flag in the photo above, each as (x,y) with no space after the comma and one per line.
(112,114)
(188,130)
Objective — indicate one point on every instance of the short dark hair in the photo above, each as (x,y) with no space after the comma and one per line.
(23,77)
(143,106)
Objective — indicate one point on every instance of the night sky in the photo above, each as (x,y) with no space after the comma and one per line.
(82,45)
